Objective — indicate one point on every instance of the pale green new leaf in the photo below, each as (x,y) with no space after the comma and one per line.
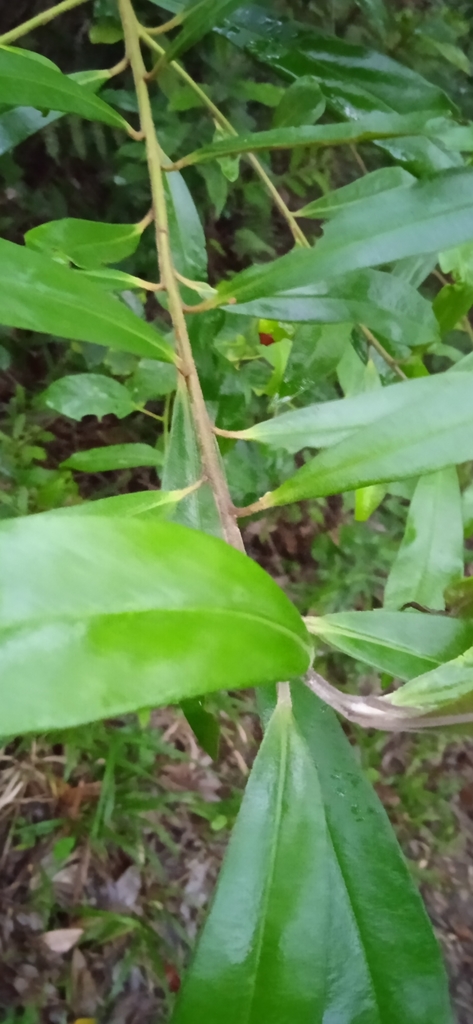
(27,82)
(403,644)
(103,616)
(88,394)
(86,243)
(39,294)
(431,553)
(114,456)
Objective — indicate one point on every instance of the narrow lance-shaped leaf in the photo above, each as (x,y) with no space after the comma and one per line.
(383,180)
(372,126)
(114,456)
(447,689)
(86,243)
(383,961)
(186,234)
(88,394)
(149,504)
(381,229)
(30,83)
(270,964)
(39,294)
(183,467)
(404,644)
(413,442)
(131,614)
(431,553)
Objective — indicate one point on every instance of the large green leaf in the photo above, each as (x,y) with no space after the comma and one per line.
(421,218)
(412,442)
(326,423)
(38,294)
(114,456)
(88,394)
(183,467)
(262,954)
(86,243)
(381,301)
(383,180)
(18,124)
(448,689)
(383,962)
(28,82)
(403,644)
(103,616)
(373,126)
(431,553)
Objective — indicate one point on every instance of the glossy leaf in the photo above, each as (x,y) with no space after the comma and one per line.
(431,553)
(86,243)
(383,180)
(30,83)
(381,229)
(383,961)
(18,124)
(39,294)
(373,126)
(183,467)
(448,689)
(186,232)
(413,442)
(403,644)
(104,616)
(114,456)
(199,17)
(149,504)
(326,423)
(302,103)
(384,303)
(269,965)
(88,394)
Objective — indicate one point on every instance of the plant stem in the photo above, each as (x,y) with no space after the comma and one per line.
(391,362)
(220,118)
(208,446)
(38,20)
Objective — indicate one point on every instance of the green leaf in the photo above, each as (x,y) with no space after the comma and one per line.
(400,643)
(30,83)
(149,504)
(381,229)
(104,616)
(88,394)
(186,233)
(199,17)
(448,688)
(384,303)
(204,725)
(412,442)
(274,889)
(431,553)
(18,124)
(86,243)
(106,30)
(378,931)
(114,456)
(39,294)
(302,103)
(151,379)
(383,180)
(373,126)
(459,262)
(326,423)
(183,467)
(452,303)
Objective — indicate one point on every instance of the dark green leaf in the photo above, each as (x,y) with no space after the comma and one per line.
(39,294)
(452,303)
(30,83)
(383,962)
(183,467)
(104,616)
(400,643)
(302,103)
(415,441)
(114,456)
(88,394)
(381,301)
(383,180)
(199,17)
(86,243)
(431,553)
(373,126)
(269,965)
(204,725)
(186,233)
(387,227)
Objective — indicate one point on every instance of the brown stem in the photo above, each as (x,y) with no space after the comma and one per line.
(208,446)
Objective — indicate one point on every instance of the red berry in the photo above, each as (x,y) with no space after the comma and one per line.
(266,339)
